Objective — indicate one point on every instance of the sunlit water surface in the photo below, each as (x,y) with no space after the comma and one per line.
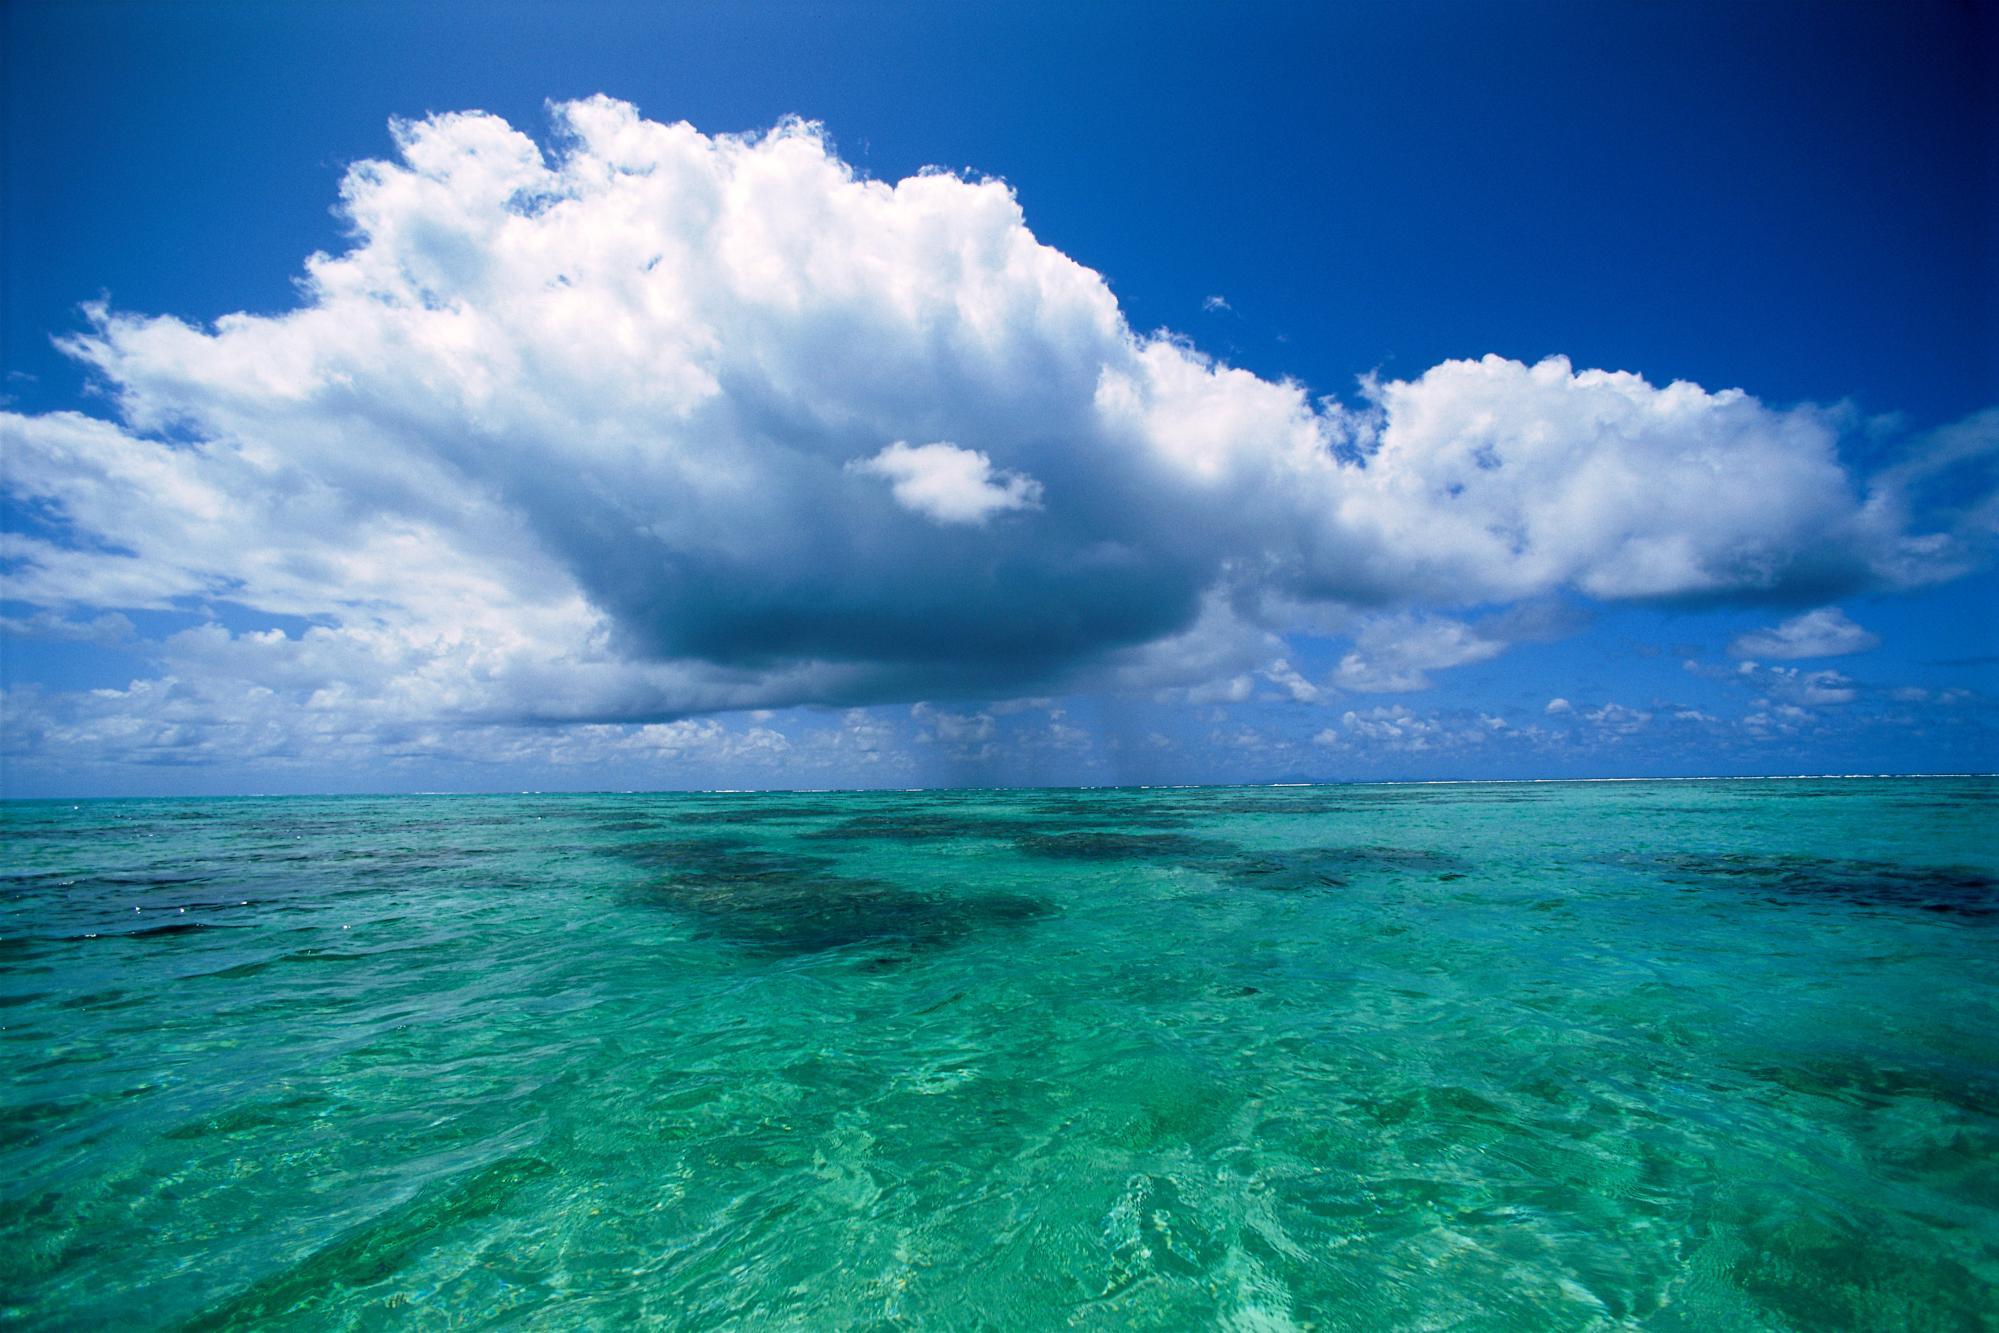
(1674,1055)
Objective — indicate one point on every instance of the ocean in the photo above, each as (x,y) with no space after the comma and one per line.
(1673,1055)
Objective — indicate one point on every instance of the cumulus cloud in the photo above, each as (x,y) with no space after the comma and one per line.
(949,484)
(1397,728)
(599,433)
(1825,632)
(1394,654)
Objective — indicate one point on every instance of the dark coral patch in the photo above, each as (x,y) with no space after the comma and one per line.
(1335,867)
(784,905)
(773,812)
(1952,890)
(917,827)
(1095,846)
(1278,804)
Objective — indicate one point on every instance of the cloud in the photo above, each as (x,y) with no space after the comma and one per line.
(1227,690)
(1394,654)
(1219,652)
(1782,684)
(1616,720)
(1287,678)
(111,630)
(949,484)
(1777,720)
(1825,632)
(1791,685)
(1809,689)
(598,434)
(953,728)
(1394,728)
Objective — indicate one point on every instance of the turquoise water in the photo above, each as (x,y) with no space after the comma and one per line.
(1694,1055)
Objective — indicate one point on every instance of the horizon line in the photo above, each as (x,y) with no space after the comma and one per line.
(1108,786)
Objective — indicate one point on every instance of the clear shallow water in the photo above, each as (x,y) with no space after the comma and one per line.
(1663,1055)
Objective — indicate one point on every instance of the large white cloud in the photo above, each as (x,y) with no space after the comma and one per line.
(620,432)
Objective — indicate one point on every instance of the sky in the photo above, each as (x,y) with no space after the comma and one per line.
(597,396)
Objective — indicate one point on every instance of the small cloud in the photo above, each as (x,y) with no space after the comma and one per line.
(1060,735)
(1618,720)
(1779,719)
(1285,676)
(1232,690)
(1790,684)
(1395,654)
(1216,304)
(1394,727)
(1008,707)
(1246,739)
(1558,706)
(1810,688)
(952,728)
(1825,632)
(948,484)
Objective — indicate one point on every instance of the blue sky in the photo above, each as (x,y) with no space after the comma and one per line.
(1197,422)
